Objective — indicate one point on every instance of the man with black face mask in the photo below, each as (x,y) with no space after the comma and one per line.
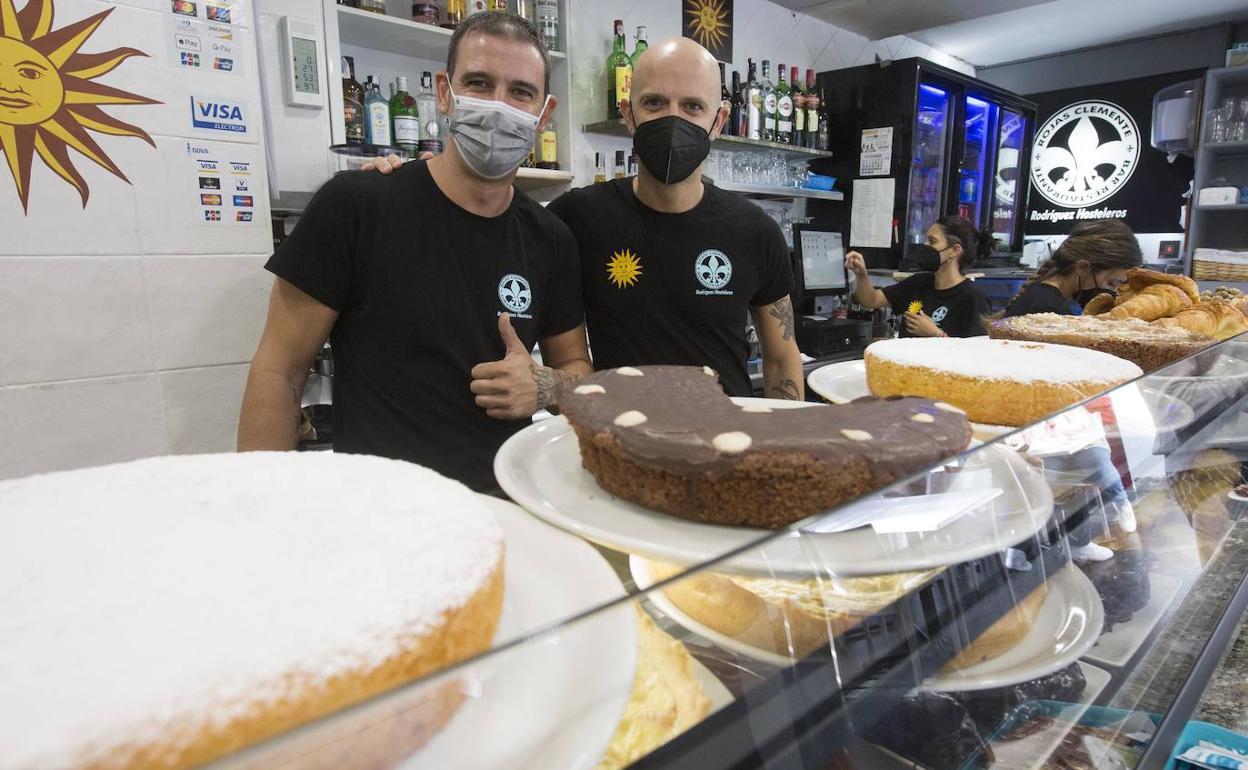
(433,283)
(670,264)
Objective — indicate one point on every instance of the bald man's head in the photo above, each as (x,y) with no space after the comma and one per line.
(676,76)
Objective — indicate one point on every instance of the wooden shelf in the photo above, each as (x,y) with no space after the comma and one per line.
(616,127)
(537,178)
(398,36)
(781,193)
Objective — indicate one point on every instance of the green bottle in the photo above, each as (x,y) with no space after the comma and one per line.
(405,120)
(784,110)
(641,47)
(619,73)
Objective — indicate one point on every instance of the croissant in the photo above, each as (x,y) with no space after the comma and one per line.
(1138,279)
(1159,300)
(1101,303)
(1220,320)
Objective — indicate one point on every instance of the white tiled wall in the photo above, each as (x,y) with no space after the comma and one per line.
(126,326)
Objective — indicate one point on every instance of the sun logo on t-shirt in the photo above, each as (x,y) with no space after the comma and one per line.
(916,306)
(624,268)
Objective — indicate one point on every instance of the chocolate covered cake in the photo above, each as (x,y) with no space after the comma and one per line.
(667,437)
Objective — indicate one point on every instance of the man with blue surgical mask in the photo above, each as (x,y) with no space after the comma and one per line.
(433,283)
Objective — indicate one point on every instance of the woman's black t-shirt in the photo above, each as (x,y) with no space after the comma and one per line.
(959,310)
(1039,298)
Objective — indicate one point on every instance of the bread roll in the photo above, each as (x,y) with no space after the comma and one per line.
(1220,320)
(1159,300)
(1139,279)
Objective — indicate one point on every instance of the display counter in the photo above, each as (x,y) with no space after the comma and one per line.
(964,636)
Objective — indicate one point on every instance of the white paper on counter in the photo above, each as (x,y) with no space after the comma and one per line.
(871,217)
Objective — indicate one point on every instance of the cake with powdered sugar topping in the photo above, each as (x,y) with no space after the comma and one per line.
(164,612)
(996,382)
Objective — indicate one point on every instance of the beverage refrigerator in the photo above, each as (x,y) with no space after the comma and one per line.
(958,146)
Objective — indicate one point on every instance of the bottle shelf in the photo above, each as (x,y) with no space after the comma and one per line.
(616,127)
(1225,207)
(398,36)
(781,193)
(1221,149)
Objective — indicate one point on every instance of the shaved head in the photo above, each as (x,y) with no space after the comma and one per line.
(676,76)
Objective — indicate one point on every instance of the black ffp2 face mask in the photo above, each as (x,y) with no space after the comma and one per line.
(925,257)
(671,148)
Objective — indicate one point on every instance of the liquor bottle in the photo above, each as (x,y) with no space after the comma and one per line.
(526,9)
(499,6)
(812,110)
(352,103)
(548,156)
(620,170)
(619,73)
(427,108)
(473,7)
(753,106)
(768,90)
(724,96)
(405,118)
(548,23)
(736,102)
(799,108)
(784,109)
(632,165)
(600,168)
(455,13)
(821,142)
(377,115)
(640,46)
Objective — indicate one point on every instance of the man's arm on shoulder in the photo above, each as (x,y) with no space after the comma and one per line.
(782,362)
(565,359)
(297,327)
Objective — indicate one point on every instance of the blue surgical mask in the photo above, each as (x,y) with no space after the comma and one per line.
(492,137)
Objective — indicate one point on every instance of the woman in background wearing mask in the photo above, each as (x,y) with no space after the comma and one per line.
(939,301)
(1093,259)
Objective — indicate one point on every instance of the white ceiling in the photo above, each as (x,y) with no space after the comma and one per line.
(988,32)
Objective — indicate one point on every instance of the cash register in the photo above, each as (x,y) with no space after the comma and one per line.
(822,288)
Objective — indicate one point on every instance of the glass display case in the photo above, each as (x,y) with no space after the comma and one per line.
(1056,597)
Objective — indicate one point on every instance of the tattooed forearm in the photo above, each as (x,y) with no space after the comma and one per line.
(786,389)
(782,311)
(551,384)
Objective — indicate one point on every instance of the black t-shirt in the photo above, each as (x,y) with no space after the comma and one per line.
(958,311)
(674,288)
(1039,298)
(419,284)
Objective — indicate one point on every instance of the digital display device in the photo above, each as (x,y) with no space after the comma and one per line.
(821,254)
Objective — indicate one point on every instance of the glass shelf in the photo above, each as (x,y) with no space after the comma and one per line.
(616,127)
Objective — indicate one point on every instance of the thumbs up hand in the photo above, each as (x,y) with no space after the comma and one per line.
(507,389)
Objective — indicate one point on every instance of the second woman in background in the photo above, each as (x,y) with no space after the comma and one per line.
(940,301)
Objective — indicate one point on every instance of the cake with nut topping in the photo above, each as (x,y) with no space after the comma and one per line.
(667,438)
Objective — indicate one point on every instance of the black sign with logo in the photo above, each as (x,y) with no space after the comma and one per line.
(1092,159)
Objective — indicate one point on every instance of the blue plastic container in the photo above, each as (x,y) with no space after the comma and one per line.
(1197,731)
(820,182)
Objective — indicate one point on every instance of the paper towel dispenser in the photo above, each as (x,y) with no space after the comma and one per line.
(1174,117)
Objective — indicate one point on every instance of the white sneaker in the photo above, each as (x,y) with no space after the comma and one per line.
(1090,552)
(1126,516)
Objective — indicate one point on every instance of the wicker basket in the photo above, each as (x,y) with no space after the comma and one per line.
(1205,270)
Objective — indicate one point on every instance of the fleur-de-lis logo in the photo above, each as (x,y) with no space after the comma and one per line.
(713,269)
(514,293)
(1091,161)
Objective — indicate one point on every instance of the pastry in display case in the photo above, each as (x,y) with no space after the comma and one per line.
(998,382)
(668,438)
(1147,345)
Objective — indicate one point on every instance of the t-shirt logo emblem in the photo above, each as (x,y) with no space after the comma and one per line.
(624,269)
(940,313)
(713,269)
(514,293)
(916,306)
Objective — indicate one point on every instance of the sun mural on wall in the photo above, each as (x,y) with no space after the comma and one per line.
(47,99)
(710,23)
